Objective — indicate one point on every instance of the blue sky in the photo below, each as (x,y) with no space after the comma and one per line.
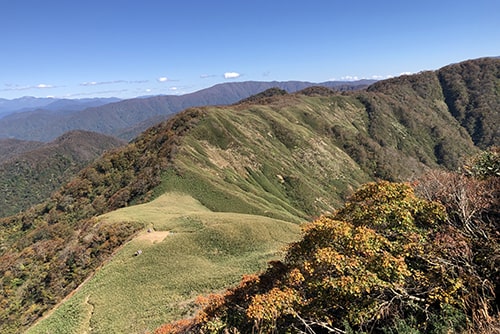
(128,48)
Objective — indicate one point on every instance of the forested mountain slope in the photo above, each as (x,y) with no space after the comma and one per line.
(30,176)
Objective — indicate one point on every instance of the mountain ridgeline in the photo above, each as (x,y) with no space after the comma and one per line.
(285,156)
(128,118)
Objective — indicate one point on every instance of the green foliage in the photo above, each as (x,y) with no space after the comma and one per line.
(264,97)
(471,93)
(485,164)
(48,250)
(293,157)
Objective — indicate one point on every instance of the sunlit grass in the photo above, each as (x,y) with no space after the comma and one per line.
(205,252)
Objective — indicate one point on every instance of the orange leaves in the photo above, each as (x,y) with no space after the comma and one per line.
(266,308)
(181,326)
(328,257)
(208,304)
(295,278)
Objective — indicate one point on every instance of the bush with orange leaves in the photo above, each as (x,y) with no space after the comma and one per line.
(388,261)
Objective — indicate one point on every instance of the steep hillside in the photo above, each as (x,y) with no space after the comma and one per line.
(286,156)
(122,118)
(387,262)
(30,176)
(469,90)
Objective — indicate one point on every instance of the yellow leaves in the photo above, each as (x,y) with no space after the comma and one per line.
(308,268)
(386,206)
(295,277)
(271,305)
(329,257)
(448,293)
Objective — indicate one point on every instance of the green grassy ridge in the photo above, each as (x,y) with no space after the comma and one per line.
(305,154)
(266,155)
(205,252)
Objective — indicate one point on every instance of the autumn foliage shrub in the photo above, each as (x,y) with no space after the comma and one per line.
(387,262)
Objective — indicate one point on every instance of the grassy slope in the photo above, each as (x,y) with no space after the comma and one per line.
(205,251)
(299,156)
(269,159)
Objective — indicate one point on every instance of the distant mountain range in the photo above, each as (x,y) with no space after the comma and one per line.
(29,103)
(46,119)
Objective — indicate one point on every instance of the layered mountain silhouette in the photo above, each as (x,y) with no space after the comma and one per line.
(28,103)
(126,119)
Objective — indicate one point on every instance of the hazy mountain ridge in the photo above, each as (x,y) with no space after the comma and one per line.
(28,103)
(294,157)
(22,104)
(121,118)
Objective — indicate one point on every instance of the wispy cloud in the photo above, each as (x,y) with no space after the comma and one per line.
(42,86)
(349,78)
(162,79)
(231,75)
(12,87)
(373,77)
(99,83)
(379,77)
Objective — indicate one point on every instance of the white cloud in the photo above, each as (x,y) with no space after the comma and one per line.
(406,73)
(231,75)
(349,78)
(44,86)
(92,83)
(162,79)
